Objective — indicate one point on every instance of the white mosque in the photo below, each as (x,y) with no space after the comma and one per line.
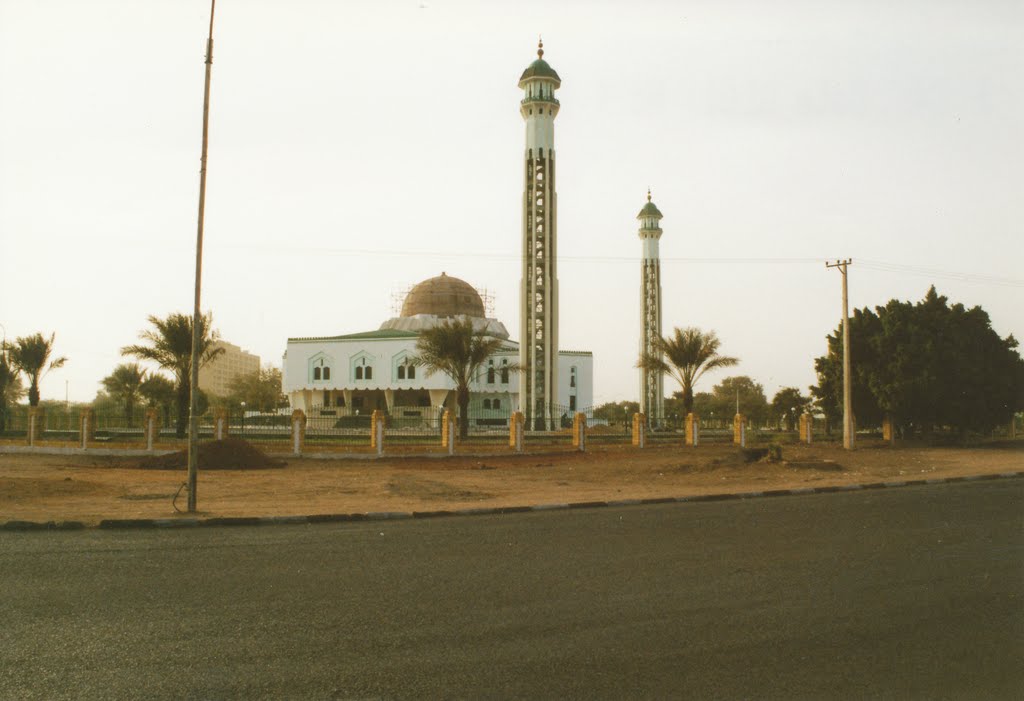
(358,373)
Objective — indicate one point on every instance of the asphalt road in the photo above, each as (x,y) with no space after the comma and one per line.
(903,594)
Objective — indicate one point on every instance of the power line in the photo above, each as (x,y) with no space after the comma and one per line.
(876,265)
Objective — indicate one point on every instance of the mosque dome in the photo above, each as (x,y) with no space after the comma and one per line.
(444,296)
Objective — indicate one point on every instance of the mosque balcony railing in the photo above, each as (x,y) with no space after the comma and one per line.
(545,100)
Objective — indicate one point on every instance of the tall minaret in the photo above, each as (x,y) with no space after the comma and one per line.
(652,394)
(538,299)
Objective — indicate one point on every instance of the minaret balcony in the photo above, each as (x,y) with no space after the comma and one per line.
(547,100)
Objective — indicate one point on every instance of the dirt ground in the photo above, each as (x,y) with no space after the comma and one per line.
(91,488)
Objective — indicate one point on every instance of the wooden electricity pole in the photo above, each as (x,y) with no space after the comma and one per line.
(848,432)
(193,414)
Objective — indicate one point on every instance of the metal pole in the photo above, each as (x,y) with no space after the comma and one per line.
(193,418)
(848,432)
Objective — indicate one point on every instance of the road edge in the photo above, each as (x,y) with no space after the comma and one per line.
(214,521)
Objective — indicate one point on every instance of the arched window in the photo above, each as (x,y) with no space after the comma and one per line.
(327,373)
(504,372)
(496,404)
(369,373)
(487,404)
(490,374)
(412,372)
(401,372)
(316,373)
(572,377)
(359,372)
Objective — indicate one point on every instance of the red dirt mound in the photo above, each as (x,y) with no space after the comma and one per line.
(228,454)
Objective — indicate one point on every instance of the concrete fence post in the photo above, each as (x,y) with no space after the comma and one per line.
(377,431)
(739,430)
(806,428)
(888,430)
(86,426)
(448,431)
(579,432)
(515,431)
(298,431)
(221,424)
(151,428)
(36,424)
(692,429)
(639,430)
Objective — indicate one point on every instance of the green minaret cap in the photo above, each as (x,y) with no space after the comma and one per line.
(540,69)
(649,210)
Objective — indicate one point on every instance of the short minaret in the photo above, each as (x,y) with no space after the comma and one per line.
(538,301)
(652,394)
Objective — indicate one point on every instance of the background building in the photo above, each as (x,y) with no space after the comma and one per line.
(216,376)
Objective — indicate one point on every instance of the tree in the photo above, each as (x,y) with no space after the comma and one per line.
(170,347)
(686,356)
(457,350)
(615,412)
(752,400)
(125,386)
(10,387)
(828,393)
(925,365)
(787,406)
(260,390)
(159,392)
(31,355)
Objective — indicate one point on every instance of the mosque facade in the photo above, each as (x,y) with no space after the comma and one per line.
(355,374)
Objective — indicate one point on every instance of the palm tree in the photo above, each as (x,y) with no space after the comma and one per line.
(31,355)
(125,384)
(686,355)
(10,387)
(170,347)
(458,351)
(159,392)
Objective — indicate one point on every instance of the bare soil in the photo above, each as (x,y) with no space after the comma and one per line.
(92,488)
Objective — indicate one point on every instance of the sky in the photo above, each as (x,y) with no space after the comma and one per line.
(357,148)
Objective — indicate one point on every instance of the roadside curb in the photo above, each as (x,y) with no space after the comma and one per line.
(194,522)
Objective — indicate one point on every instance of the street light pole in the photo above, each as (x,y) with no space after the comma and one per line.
(848,432)
(193,418)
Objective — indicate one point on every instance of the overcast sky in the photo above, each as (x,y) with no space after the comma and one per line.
(357,148)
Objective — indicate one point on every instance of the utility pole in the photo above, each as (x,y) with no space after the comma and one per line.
(193,417)
(847,377)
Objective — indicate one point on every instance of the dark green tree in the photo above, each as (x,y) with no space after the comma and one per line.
(752,401)
(616,412)
(685,356)
(170,347)
(260,390)
(159,392)
(787,406)
(828,393)
(31,355)
(10,388)
(925,364)
(124,385)
(457,350)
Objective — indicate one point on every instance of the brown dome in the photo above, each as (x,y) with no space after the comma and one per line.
(443,296)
